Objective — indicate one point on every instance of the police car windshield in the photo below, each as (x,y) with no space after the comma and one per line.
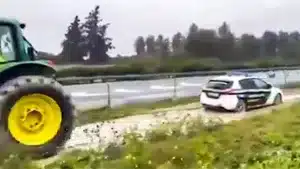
(219,84)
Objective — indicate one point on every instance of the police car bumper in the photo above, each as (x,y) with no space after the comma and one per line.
(228,102)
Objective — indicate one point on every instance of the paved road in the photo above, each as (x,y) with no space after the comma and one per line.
(95,95)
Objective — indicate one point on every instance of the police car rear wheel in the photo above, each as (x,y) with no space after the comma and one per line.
(241,106)
(205,107)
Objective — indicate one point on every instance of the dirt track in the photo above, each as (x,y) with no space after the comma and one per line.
(110,131)
(93,135)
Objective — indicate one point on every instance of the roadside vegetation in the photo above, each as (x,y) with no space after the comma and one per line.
(105,113)
(262,142)
(136,66)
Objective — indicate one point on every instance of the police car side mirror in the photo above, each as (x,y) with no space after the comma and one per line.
(269,86)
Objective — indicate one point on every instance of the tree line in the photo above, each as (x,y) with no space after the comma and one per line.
(220,43)
(86,42)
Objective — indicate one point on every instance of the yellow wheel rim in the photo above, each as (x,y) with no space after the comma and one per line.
(34,119)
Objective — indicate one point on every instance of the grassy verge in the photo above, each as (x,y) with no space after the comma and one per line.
(268,141)
(103,114)
(262,142)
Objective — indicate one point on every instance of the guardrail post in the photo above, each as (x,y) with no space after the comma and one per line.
(285,73)
(174,88)
(108,95)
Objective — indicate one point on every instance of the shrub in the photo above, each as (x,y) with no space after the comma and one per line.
(167,65)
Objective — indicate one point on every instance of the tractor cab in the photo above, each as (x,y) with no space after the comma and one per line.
(17,55)
(14,47)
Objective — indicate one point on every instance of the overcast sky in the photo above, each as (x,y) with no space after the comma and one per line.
(47,20)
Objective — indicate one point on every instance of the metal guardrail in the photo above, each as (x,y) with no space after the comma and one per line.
(61,67)
(108,78)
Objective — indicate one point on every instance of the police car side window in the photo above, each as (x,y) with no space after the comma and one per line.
(260,84)
(247,84)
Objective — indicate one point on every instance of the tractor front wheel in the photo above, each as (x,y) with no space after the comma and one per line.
(36,115)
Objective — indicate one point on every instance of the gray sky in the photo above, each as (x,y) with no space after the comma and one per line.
(47,20)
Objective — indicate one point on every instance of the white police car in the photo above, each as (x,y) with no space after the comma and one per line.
(238,92)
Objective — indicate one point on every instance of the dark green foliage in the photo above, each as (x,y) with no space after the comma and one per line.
(73,44)
(86,42)
(171,64)
(96,42)
(224,45)
(200,49)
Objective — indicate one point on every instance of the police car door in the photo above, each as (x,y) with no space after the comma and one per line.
(259,93)
(255,91)
(263,89)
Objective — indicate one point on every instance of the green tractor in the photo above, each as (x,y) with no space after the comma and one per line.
(36,115)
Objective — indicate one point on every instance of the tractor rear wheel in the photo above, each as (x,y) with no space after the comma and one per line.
(36,115)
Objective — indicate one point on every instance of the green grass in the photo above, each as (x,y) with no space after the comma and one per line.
(269,141)
(235,143)
(105,113)
(226,146)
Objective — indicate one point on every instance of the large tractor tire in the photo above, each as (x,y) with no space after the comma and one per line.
(36,116)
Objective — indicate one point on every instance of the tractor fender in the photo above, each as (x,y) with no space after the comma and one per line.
(12,70)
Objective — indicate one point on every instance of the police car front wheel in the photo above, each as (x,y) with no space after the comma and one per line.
(277,100)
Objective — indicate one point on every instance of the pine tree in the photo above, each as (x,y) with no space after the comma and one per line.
(96,43)
(178,43)
(150,45)
(73,44)
(140,46)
